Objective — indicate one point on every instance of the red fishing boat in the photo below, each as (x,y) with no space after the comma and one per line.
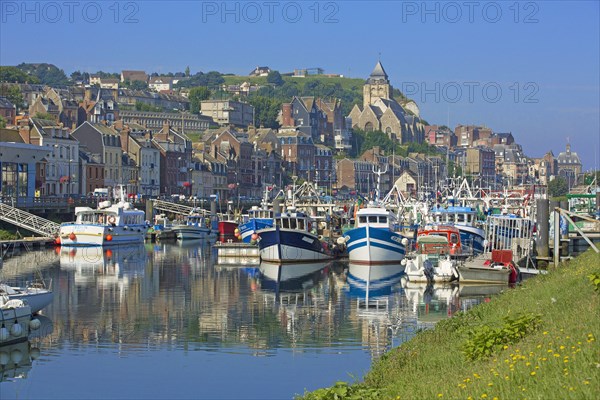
(227,230)
(451,233)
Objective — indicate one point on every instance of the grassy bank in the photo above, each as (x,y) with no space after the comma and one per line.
(536,341)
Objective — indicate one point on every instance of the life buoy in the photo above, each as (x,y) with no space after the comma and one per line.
(111,219)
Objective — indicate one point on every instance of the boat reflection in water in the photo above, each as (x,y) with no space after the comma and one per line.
(380,306)
(433,302)
(16,360)
(105,265)
(289,277)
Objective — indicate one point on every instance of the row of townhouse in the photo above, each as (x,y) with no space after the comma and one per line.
(409,174)
(225,161)
(318,118)
(96,155)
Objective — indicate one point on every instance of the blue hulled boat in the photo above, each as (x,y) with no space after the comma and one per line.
(465,220)
(290,239)
(258,218)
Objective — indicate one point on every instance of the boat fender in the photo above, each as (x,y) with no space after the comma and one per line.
(112,219)
(4,334)
(35,324)
(16,329)
(34,353)
(4,357)
(16,356)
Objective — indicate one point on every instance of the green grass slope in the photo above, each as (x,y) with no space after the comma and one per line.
(537,341)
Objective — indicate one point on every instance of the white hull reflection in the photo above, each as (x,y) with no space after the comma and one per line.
(290,277)
(114,265)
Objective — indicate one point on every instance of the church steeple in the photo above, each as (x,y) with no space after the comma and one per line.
(378,73)
(377,86)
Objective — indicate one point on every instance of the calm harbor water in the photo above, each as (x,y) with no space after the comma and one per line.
(166,321)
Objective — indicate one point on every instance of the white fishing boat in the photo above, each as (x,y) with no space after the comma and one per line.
(16,321)
(109,224)
(36,295)
(374,239)
(195,227)
(431,262)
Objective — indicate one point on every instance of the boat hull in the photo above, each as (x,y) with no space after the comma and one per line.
(472,236)
(190,232)
(368,245)
(98,235)
(253,226)
(444,271)
(15,320)
(474,274)
(227,230)
(287,245)
(37,300)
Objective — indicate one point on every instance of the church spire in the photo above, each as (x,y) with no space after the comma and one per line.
(378,72)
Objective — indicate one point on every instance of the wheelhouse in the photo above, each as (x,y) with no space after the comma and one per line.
(260,213)
(375,218)
(455,215)
(295,221)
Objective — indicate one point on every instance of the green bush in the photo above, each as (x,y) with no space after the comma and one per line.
(341,390)
(595,280)
(485,341)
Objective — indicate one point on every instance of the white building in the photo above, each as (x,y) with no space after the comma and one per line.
(62,163)
(159,83)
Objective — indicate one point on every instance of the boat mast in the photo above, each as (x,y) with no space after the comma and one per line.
(379,172)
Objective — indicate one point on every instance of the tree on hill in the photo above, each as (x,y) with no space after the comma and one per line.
(80,76)
(13,94)
(47,74)
(135,85)
(274,78)
(187,71)
(212,79)
(196,95)
(102,74)
(15,75)
(558,187)
(2,122)
(45,116)
(265,111)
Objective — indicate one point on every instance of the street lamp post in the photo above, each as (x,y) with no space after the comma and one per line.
(70,177)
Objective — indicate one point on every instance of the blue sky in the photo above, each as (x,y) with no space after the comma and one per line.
(531,68)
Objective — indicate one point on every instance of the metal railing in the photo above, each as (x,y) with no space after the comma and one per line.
(26,220)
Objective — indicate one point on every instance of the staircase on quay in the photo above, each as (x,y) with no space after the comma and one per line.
(176,208)
(31,222)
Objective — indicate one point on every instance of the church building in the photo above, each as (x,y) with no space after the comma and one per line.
(380,111)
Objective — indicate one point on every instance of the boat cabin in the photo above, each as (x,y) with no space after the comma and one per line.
(454,215)
(260,213)
(432,244)
(197,220)
(109,216)
(296,221)
(450,234)
(375,217)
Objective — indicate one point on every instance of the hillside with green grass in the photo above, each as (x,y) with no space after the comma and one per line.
(536,341)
